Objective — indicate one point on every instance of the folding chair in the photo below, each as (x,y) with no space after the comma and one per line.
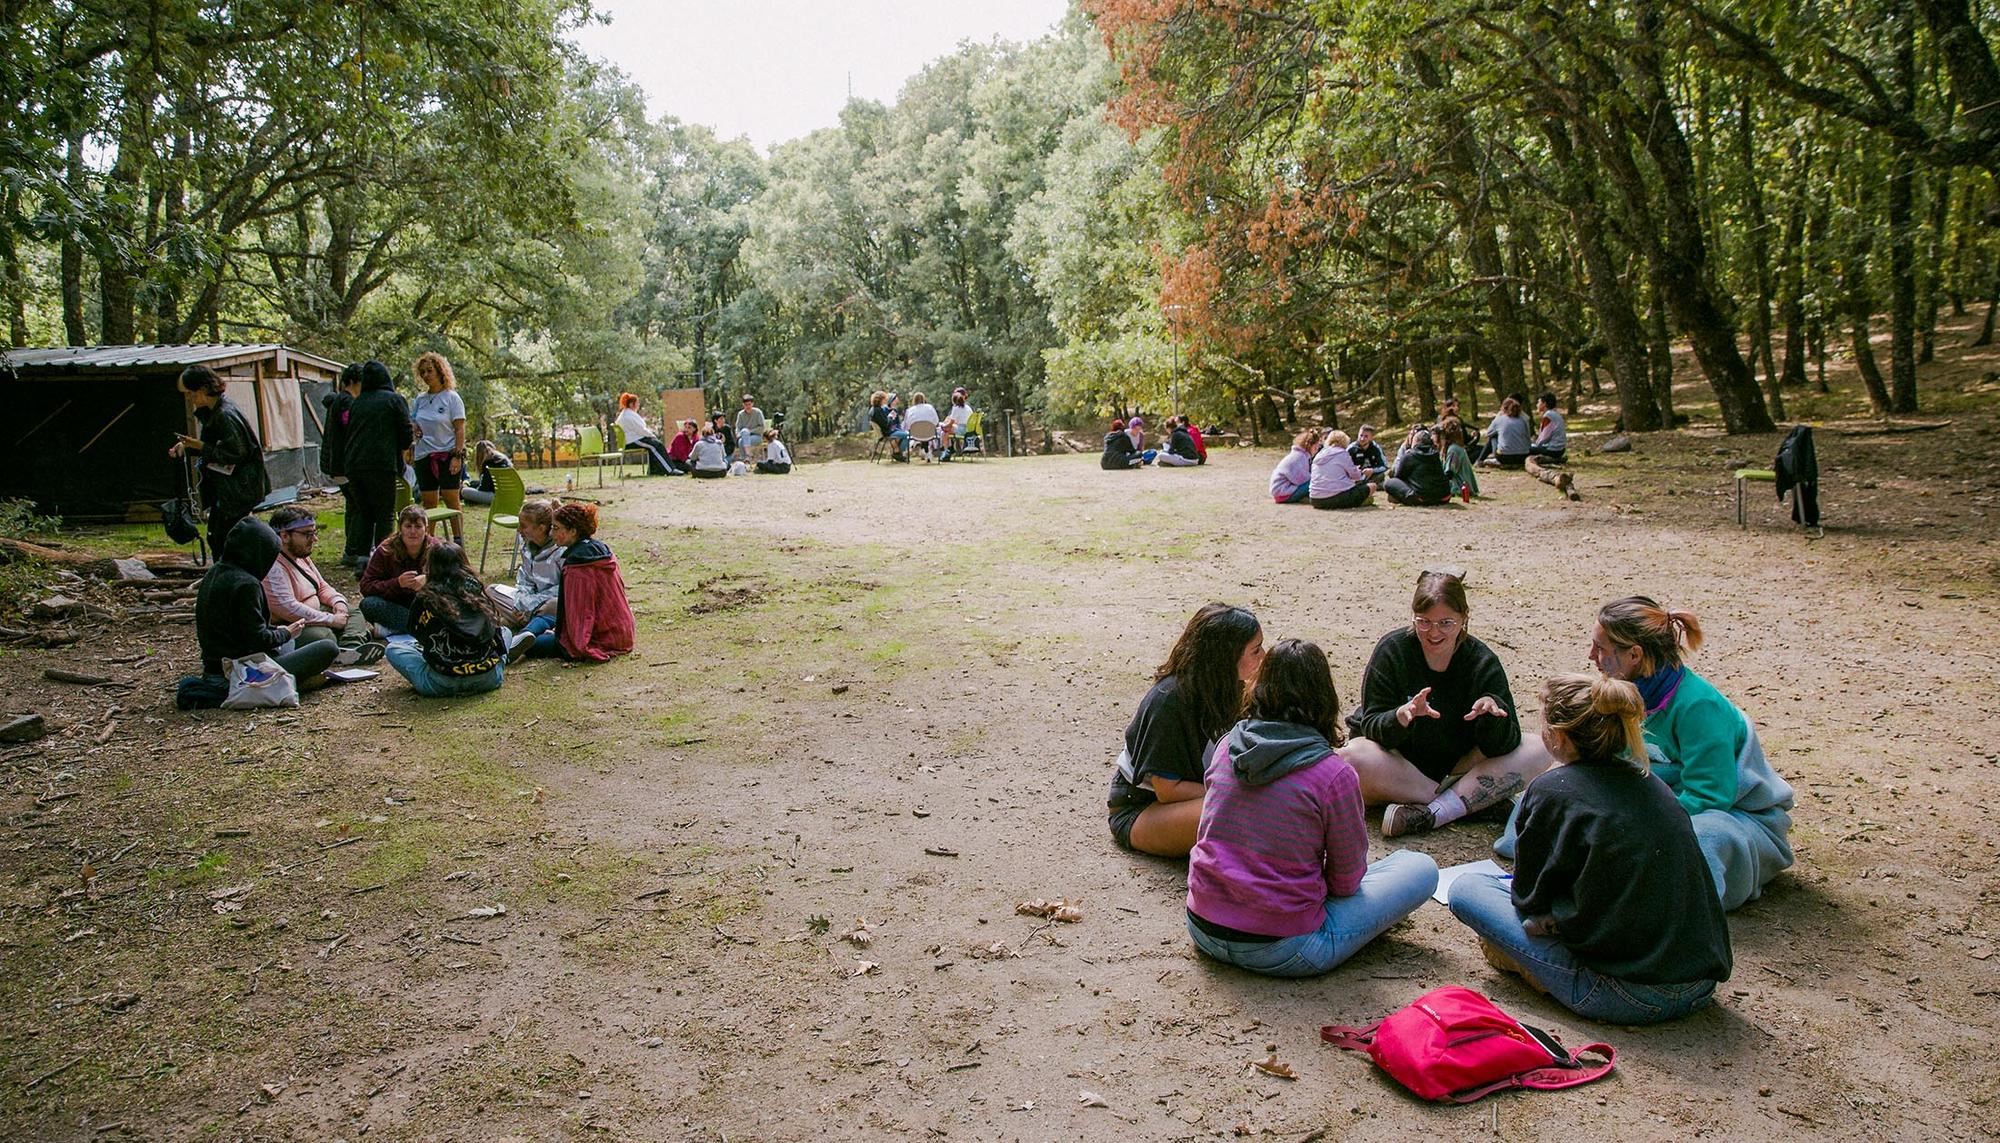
(590,447)
(509,492)
(923,434)
(436,516)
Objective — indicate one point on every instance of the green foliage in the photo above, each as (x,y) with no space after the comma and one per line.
(18,519)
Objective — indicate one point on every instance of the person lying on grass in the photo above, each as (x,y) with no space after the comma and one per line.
(1279,881)
(1611,910)
(1437,732)
(1197,695)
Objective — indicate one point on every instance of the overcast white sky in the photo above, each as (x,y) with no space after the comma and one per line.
(777,69)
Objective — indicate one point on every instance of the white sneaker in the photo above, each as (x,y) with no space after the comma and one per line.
(517,647)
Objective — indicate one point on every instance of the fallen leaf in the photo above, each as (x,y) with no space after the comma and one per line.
(1091,1099)
(1271,1066)
(1981,953)
(487,911)
(1056,910)
(864,967)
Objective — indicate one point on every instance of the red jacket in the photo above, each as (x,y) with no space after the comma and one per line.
(389,561)
(593,618)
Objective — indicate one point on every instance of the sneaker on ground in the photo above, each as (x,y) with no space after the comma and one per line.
(1404,817)
(517,648)
(369,653)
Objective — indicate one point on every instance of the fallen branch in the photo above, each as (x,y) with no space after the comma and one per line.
(1556,478)
(58,675)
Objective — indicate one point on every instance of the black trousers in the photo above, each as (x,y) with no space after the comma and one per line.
(371,507)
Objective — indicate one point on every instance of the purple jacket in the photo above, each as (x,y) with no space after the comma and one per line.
(1267,857)
(1292,472)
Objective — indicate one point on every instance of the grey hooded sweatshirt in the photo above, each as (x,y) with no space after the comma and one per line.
(1264,750)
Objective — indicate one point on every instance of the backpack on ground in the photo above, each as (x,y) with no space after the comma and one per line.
(1455,1046)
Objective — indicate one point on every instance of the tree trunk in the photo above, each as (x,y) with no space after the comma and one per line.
(1791,306)
(1660,346)
(1617,325)
(1702,315)
(116,286)
(1861,303)
(1992,307)
(1760,257)
(1503,348)
(72,253)
(1420,367)
(1902,239)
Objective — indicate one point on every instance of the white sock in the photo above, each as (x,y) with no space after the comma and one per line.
(1446,807)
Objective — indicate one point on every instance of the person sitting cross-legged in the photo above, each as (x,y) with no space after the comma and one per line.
(395,572)
(232,619)
(295,589)
(593,616)
(1279,880)
(1438,735)
(1611,909)
(456,644)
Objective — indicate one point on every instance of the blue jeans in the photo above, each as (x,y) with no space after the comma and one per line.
(1485,902)
(408,660)
(546,645)
(1392,889)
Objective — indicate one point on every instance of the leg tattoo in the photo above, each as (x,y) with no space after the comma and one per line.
(1490,789)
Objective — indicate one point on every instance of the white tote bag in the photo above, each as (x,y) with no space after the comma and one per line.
(258,680)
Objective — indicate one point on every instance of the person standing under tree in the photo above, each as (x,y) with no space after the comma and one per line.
(232,460)
(438,448)
(378,436)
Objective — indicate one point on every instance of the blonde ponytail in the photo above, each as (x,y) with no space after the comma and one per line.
(1602,717)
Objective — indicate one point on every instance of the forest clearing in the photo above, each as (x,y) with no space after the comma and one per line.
(266,926)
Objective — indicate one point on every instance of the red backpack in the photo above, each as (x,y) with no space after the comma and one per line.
(1452,1044)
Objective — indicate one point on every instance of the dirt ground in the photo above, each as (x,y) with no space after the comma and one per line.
(888,697)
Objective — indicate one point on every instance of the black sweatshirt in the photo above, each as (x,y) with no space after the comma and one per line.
(1397,671)
(1609,859)
(231,619)
(1119,452)
(378,432)
(1423,470)
(228,440)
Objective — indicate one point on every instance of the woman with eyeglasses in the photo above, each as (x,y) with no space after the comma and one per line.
(1437,735)
(1197,695)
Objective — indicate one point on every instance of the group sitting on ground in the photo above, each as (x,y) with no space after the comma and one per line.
(422,607)
(1180,446)
(1435,464)
(1645,795)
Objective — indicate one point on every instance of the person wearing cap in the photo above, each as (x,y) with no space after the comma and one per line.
(295,589)
(749,426)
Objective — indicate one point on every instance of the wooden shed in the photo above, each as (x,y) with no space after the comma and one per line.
(90,426)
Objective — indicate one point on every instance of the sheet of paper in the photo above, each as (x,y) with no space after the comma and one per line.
(503,590)
(1452,873)
(350,674)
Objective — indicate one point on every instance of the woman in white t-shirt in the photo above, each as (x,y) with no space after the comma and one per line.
(918,412)
(438,451)
(777,458)
(638,435)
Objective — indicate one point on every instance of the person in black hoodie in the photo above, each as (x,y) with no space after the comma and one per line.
(1420,477)
(231,619)
(333,456)
(1180,451)
(1119,451)
(379,433)
(455,645)
(232,460)
(1611,910)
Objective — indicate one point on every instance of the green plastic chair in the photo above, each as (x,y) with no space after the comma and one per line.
(590,446)
(509,492)
(436,515)
(630,452)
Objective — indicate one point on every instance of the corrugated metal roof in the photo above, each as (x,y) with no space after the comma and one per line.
(82,357)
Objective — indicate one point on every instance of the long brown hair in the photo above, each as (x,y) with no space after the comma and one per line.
(1204,662)
(1295,685)
(1662,636)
